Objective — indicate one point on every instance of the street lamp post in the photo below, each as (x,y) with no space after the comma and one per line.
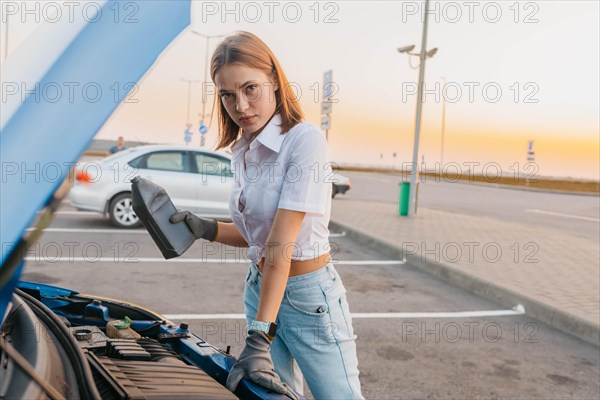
(422,57)
(188,124)
(443,126)
(203,115)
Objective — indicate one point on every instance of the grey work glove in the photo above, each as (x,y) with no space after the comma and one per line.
(202,228)
(255,364)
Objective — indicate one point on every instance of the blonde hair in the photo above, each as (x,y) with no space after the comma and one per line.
(247,49)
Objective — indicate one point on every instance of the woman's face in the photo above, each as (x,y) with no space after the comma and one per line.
(248,95)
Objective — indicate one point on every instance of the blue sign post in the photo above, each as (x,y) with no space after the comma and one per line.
(530,152)
(203,129)
(187,134)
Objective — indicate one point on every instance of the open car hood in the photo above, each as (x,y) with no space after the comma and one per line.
(41,138)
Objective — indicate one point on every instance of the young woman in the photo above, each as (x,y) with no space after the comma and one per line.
(299,323)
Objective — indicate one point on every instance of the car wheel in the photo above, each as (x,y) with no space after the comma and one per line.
(121,212)
(334,190)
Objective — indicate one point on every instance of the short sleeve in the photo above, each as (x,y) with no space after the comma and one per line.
(306,187)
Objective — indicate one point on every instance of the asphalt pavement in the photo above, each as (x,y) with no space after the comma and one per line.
(418,336)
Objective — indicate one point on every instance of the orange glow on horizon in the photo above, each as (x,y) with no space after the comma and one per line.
(363,141)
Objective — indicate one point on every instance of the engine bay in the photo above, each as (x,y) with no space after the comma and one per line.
(143,369)
(79,346)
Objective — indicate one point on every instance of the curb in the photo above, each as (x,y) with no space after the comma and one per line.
(552,316)
(531,190)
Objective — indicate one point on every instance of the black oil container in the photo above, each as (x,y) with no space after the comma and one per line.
(153,206)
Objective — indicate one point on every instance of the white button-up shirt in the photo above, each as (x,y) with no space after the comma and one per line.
(289,171)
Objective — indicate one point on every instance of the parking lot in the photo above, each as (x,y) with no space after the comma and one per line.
(418,337)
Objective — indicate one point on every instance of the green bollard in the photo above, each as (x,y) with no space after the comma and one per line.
(404,198)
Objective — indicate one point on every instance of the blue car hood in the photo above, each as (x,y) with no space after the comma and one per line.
(43,135)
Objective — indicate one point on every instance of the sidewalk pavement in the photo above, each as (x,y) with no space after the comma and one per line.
(554,274)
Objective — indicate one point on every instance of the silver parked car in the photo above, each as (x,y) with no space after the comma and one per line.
(196,179)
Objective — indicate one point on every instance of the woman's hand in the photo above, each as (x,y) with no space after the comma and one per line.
(202,228)
(210,229)
(255,364)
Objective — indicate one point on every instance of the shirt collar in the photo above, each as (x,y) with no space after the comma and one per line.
(270,136)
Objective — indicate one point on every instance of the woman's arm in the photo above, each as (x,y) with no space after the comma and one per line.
(278,255)
(227,233)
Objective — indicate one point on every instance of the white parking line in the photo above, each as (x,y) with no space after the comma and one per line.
(136,260)
(204,316)
(77,213)
(563,215)
(76,230)
(333,235)
(91,230)
(517,310)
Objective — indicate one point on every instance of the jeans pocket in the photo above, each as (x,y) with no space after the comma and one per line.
(309,300)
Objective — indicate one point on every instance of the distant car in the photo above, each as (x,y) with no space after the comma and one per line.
(341,184)
(196,179)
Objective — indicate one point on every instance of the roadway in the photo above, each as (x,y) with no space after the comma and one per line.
(575,213)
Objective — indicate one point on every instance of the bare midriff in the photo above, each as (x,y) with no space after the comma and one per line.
(301,267)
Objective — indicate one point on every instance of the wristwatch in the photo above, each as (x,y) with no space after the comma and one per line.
(270,328)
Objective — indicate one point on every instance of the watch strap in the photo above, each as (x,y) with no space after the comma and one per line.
(269,328)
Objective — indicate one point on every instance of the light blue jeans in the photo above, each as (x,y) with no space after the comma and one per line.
(314,333)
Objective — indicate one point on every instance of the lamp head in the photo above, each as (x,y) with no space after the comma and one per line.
(405,49)
(432,52)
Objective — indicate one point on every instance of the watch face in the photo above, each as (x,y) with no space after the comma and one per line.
(272,329)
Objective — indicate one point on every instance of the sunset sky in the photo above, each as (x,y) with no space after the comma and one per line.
(545,53)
